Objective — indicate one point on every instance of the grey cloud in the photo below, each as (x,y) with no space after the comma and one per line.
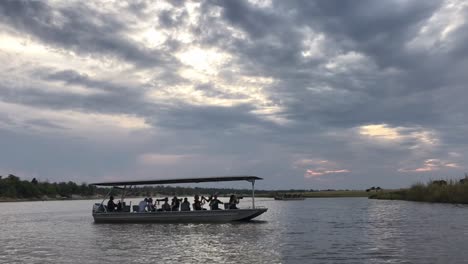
(43,123)
(72,30)
(208,117)
(378,30)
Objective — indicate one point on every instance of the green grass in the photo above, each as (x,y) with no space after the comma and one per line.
(452,192)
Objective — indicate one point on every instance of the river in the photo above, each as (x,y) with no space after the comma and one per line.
(320,230)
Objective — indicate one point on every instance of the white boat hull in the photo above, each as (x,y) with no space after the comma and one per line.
(209,216)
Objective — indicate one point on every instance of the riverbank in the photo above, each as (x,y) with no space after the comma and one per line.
(322,194)
(35,199)
(434,192)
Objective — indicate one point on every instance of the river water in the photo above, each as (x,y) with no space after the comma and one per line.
(320,230)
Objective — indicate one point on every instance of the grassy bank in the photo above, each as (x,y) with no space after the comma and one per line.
(435,192)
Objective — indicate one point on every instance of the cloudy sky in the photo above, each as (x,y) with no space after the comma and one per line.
(307,94)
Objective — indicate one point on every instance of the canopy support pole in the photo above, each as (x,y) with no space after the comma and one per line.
(123,194)
(253,194)
(105,198)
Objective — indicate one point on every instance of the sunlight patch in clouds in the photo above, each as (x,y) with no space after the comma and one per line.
(208,61)
(380,131)
(315,168)
(160,159)
(320,172)
(386,133)
(431,165)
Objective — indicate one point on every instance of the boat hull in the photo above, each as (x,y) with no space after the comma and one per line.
(204,216)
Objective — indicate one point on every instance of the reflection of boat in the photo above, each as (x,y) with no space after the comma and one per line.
(290,197)
(101,215)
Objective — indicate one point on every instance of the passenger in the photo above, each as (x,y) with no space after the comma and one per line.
(175,204)
(233,201)
(155,205)
(151,207)
(119,206)
(110,204)
(166,206)
(185,206)
(214,203)
(142,205)
(197,205)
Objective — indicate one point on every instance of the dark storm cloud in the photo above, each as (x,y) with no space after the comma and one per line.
(113,99)
(80,29)
(379,31)
(209,117)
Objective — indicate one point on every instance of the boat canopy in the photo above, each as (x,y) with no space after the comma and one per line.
(180,180)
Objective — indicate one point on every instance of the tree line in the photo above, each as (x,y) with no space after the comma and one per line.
(13,187)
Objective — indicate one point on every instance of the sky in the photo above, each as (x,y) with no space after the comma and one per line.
(336,94)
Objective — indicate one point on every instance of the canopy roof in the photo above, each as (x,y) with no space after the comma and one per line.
(180,180)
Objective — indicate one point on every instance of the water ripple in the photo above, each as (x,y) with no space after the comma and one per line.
(335,230)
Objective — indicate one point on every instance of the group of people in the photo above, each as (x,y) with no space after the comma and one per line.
(147,205)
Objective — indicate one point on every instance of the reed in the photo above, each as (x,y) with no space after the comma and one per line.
(442,191)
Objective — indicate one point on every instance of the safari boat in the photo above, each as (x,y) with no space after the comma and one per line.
(290,197)
(102,215)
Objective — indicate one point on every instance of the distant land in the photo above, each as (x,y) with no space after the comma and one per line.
(12,188)
(438,191)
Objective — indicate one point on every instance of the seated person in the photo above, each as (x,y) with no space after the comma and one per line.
(233,201)
(214,203)
(142,205)
(119,206)
(111,205)
(151,207)
(185,206)
(166,206)
(197,204)
(175,204)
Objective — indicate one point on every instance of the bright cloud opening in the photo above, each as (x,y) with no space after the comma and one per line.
(320,172)
(431,165)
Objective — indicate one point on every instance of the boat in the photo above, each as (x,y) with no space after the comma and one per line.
(127,215)
(290,197)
